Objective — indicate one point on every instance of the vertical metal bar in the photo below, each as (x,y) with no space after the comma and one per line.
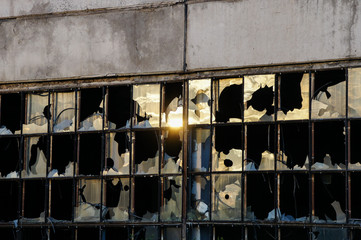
(276,149)
(132,152)
(347,153)
(185,130)
(75,155)
(160,149)
(311,148)
(212,191)
(102,160)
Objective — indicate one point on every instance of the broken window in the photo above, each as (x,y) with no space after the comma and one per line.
(61,233)
(117,193)
(146,105)
(119,107)
(294,97)
(63,156)
(172,151)
(10,155)
(199,232)
(329,198)
(329,94)
(145,233)
(259,197)
(116,233)
(354,206)
(229,147)
(34,200)
(199,101)
(227,197)
(199,198)
(118,148)
(319,233)
(88,206)
(146,199)
(61,207)
(354,86)
(90,156)
(228,232)
(91,109)
(36,156)
(34,233)
(172,113)
(9,233)
(355,150)
(288,233)
(87,233)
(228,100)
(259,98)
(259,147)
(11,115)
(172,233)
(171,202)
(64,112)
(146,154)
(200,149)
(9,200)
(38,113)
(257,232)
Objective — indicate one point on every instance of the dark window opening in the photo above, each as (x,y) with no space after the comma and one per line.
(88,234)
(257,232)
(9,200)
(34,200)
(294,233)
(10,156)
(11,116)
(230,103)
(119,107)
(91,109)
(90,154)
(61,199)
(63,154)
(145,233)
(228,233)
(61,234)
(146,151)
(146,206)
(118,233)
(291,97)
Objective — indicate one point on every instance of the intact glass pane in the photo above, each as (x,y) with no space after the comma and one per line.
(354,88)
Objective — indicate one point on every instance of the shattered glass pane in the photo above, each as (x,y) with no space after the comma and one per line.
(329,94)
(256,232)
(146,205)
(200,143)
(294,101)
(329,198)
(354,88)
(199,110)
(355,153)
(259,98)
(91,109)
(260,147)
(199,198)
(118,154)
(227,154)
(146,233)
(38,113)
(228,100)
(227,197)
(355,197)
(172,113)
(62,156)
(294,198)
(34,201)
(329,145)
(146,105)
(10,113)
(88,207)
(64,112)
(171,209)
(119,105)
(117,199)
(61,199)
(293,147)
(10,161)
(36,157)
(9,199)
(146,154)
(329,233)
(173,140)
(228,232)
(90,154)
(264,190)
(199,232)
(172,233)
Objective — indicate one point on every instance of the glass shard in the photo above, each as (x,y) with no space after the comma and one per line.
(199,110)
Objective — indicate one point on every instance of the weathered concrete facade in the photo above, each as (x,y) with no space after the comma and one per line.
(102,38)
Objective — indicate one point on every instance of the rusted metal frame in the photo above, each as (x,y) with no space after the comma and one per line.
(311,150)
(212,191)
(276,196)
(132,164)
(243,183)
(75,154)
(47,200)
(102,161)
(185,93)
(160,157)
(347,154)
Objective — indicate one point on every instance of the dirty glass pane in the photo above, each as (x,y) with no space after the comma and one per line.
(38,113)
(10,113)
(146,105)
(199,154)
(199,110)
(90,156)
(319,233)
(256,232)
(63,156)
(172,233)
(227,154)
(146,195)
(171,209)
(227,197)
(88,206)
(172,113)
(91,109)
(228,232)
(198,198)
(228,100)
(259,186)
(260,147)
(355,154)
(118,107)
(259,98)
(294,198)
(118,154)
(64,111)
(146,233)
(329,198)
(146,154)
(117,199)
(36,157)
(173,140)
(293,147)
(10,161)
(329,145)
(329,94)
(61,199)
(354,88)
(34,201)
(294,99)
(355,186)
(200,232)
(9,199)
(288,233)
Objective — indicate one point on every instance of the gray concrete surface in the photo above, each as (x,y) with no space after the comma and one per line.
(146,41)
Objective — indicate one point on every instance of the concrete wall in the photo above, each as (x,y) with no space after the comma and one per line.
(219,34)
